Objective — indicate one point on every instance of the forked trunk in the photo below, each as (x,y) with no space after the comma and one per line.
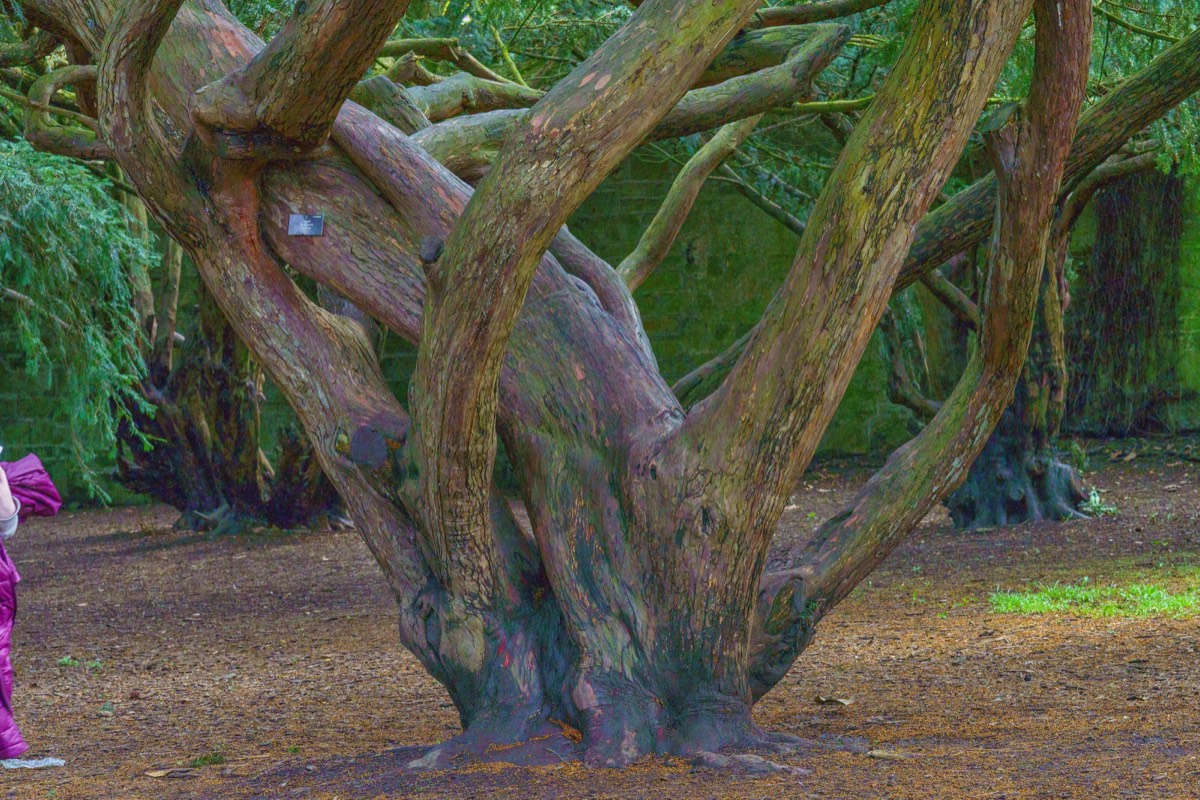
(633,615)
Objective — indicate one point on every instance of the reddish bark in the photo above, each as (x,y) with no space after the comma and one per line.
(635,609)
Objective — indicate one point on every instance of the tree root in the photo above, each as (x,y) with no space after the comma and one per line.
(542,744)
(746,763)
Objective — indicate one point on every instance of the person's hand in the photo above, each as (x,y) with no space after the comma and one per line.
(7,506)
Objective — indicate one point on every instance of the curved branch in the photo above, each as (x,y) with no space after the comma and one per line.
(656,241)
(43,134)
(1133,27)
(283,103)
(1030,155)
(575,136)
(706,378)
(1112,170)
(901,389)
(122,76)
(467,145)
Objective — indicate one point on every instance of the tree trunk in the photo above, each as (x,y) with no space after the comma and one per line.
(1124,320)
(1019,476)
(199,449)
(633,616)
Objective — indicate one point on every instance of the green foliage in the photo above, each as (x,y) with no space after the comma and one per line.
(65,250)
(1096,507)
(264,17)
(546,38)
(1084,599)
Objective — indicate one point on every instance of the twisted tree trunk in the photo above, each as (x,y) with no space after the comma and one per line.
(634,616)
(199,447)
(1020,475)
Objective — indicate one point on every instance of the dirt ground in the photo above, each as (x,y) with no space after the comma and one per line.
(139,649)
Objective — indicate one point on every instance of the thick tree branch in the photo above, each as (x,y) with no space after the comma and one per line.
(467,94)
(390,102)
(127,123)
(1030,154)
(614,296)
(283,103)
(656,241)
(952,297)
(575,136)
(811,12)
(754,51)
(467,145)
(408,70)
(966,219)
(757,92)
(799,360)
(43,134)
(447,50)
(1103,128)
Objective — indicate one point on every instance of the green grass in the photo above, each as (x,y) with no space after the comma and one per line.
(1084,599)
(210,760)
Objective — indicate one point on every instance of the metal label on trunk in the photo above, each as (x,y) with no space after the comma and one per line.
(306,224)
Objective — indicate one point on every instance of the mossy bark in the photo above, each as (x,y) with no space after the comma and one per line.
(634,611)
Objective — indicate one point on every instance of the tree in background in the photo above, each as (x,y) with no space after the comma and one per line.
(637,612)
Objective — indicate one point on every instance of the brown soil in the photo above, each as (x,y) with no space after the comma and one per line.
(279,651)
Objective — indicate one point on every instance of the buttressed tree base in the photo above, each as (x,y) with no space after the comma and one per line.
(639,609)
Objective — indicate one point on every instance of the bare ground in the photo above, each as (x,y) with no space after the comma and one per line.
(279,652)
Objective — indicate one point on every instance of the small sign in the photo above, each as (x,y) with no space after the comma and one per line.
(306,224)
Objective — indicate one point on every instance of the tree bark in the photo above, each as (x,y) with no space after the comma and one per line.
(1020,476)
(633,613)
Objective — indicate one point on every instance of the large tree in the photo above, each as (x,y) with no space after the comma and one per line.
(636,607)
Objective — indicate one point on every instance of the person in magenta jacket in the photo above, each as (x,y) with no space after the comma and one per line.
(12,744)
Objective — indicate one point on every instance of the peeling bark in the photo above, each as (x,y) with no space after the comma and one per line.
(633,611)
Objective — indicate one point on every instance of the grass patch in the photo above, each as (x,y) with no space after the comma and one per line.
(1132,600)
(211,760)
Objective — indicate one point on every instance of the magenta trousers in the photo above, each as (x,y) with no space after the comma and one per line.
(11,742)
